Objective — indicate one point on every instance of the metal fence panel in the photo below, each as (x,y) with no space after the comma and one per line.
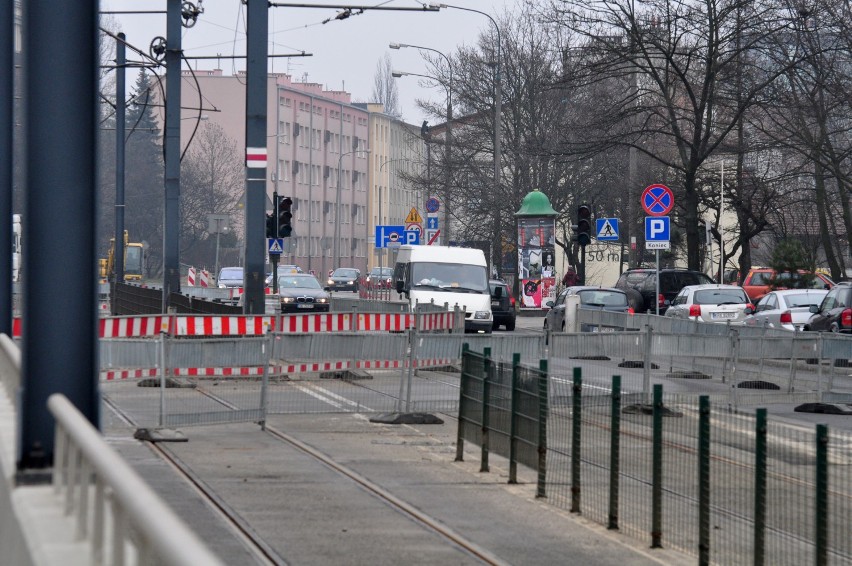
(123,353)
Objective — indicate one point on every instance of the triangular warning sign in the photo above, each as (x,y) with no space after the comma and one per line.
(413,217)
(607,230)
(275,247)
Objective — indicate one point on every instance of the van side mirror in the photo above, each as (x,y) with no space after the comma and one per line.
(814,308)
(399,285)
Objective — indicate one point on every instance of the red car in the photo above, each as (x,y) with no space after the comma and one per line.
(761,280)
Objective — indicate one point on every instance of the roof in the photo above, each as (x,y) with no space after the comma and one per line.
(536,203)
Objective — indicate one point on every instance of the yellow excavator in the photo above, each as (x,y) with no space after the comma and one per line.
(133,261)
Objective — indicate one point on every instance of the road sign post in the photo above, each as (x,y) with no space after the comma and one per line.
(657,201)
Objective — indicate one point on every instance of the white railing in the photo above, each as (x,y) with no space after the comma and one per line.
(122,518)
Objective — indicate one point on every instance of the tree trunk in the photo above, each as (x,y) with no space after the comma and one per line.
(822,212)
(693,235)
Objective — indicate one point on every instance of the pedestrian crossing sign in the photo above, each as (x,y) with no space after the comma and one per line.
(606,229)
(275,246)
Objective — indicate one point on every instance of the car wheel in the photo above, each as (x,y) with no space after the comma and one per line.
(510,325)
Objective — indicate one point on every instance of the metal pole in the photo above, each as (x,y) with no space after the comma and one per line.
(7,120)
(576,438)
(760,453)
(171,152)
(657,277)
(120,107)
(614,451)
(218,231)
(704,480)
(256,101)
(721,231)
(657,470)
(59,354)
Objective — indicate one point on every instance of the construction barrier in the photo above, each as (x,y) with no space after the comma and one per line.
(200,276)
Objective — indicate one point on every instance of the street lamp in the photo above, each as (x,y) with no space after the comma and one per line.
(448,137)
(498,94)
(337,206)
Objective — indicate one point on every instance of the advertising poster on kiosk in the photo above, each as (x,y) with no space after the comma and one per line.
(536,261)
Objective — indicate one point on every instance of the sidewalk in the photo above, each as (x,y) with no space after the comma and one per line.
(308,513)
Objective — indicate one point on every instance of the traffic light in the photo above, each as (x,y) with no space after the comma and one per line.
(285,217)
(271,228)
(584,225)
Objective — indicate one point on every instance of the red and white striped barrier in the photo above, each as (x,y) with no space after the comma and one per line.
(316,322)
(436,321)
(394,322)
(200,276)
(134,326)
(223,325)
(121,374)
(149,326)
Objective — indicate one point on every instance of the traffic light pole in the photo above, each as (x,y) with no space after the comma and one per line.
(274,258)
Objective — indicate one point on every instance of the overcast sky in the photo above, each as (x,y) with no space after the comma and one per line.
(345,52)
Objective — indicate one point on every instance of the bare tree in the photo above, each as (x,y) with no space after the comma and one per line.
(690,84)
(211,183)
(385,90)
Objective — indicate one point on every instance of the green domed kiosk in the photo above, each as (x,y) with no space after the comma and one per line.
(536,251)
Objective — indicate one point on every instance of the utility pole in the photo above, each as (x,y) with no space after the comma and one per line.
(120,108)
(171,206)
(257,18)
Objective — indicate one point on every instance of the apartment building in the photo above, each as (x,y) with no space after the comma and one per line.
(347,166)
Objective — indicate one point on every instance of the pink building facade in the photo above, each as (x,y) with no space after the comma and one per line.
(317,155)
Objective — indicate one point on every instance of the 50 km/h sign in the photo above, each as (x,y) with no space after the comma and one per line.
(657,200)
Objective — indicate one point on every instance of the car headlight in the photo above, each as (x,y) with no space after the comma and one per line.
(350,282)
(222,286)
(482,315)
(322,300)
(331,281)
(287,299)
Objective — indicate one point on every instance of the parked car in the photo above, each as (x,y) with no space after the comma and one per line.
(230,277)
(343,279)
(502,304)
(710,303)
(761,280)
(379,278)
(601,298)
(834,313)
(787,309)
(640,284)
(301,292)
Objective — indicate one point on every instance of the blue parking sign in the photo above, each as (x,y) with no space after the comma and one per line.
(657,229)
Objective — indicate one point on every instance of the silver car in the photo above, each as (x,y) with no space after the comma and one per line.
(598,298)
(710,303)
(788,309)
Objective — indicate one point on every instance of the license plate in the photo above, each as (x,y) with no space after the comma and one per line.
(303,306)
(722,315)
(495,304)
(604,329)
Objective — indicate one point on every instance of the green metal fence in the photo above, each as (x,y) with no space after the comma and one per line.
(728,487)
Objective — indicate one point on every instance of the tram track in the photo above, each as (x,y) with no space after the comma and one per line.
(267,555)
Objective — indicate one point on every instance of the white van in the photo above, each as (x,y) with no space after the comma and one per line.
(455,276)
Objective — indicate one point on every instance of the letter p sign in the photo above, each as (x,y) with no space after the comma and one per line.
(657,229)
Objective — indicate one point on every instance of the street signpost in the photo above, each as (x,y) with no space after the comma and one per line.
(657,201)
(389,235)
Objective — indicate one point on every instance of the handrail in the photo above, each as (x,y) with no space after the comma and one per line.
(10,365)
(81,453)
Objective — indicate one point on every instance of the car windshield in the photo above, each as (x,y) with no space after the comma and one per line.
(602,298)
(450,276)
(305,282)
(350,273)
(720,297)
(381,272)
(231,273)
